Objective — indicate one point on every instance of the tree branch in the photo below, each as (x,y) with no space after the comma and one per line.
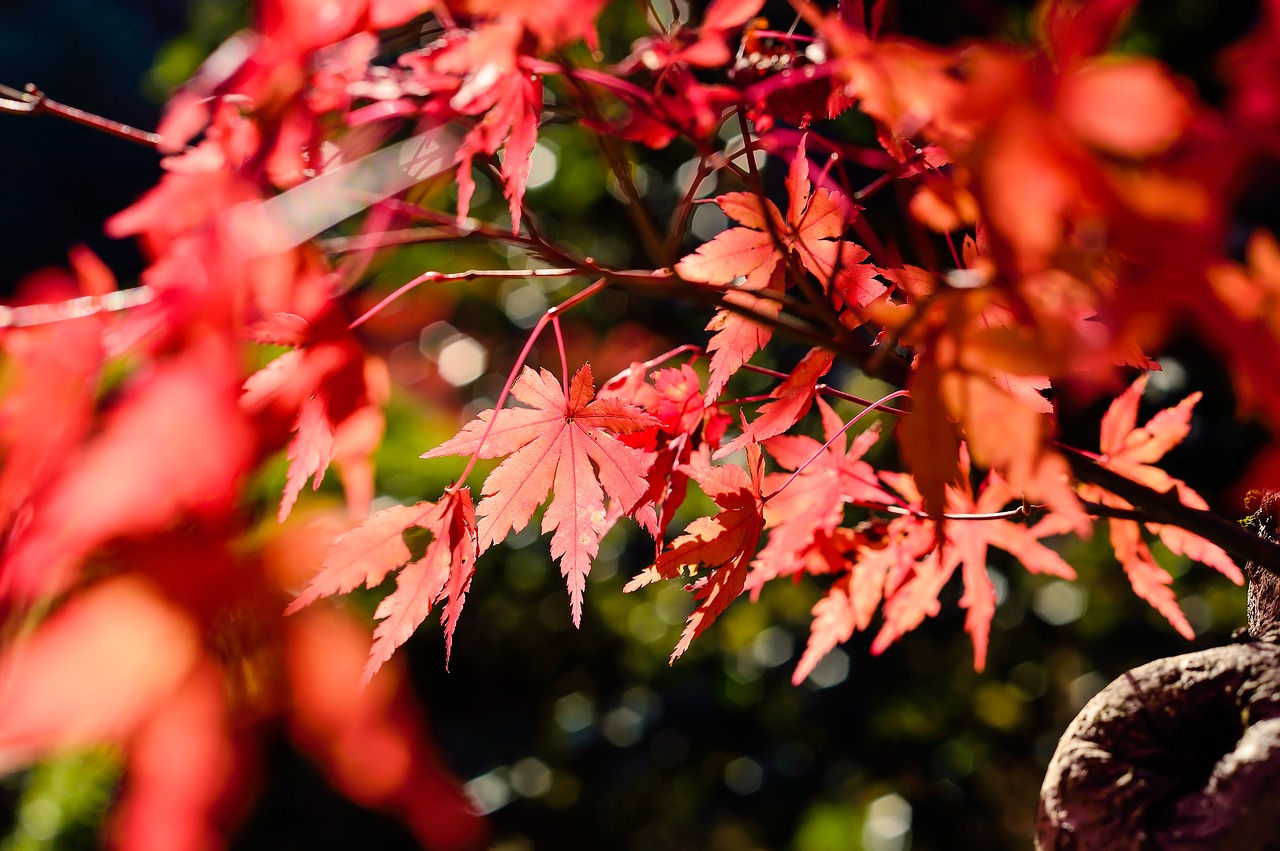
(1241,544)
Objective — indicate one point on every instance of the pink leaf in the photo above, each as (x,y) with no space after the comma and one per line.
(365,555)
(551,448)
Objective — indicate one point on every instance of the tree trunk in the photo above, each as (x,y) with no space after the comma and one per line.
(1182,752)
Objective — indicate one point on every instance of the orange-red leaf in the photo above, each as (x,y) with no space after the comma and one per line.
(834,621)
(965,545)
(366,554)
(851,604)
(759,254)
(1128,107)
(737,338)
(94,671)
(792,399)
(370,742)
(733,253)
(1150,581)
(1124,444)
(725,542)
(811,504)
(177,445)
(280,329)
(915,599)
(928,437)
(443,572)
(48,407)
(1131,451)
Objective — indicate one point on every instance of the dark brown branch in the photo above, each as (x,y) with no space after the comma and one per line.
(891,367)
(1241,544)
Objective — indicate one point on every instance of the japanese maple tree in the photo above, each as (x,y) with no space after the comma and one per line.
(1065,209)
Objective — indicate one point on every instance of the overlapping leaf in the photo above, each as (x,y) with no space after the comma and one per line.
(915,562)
(1131,451)
(853,599)
(724,543)
(809,507)
(688,423)
(365,555)
(965,546)
(791,401)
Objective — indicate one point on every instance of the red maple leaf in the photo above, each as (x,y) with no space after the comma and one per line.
(703,46)
(835,618)
(687,425)
(554,23)
(961,385)
(1131,452)
(330,395)
(126,661)
(809,507)
(791,401)
(443,573)
(680,105)
(810,234)
(175,446)
(365,555)
(136,638)
(486,73)
(911,591)
(725,542)
(737,337)
(853,599)
(309,452)
(552,446)
(48,407)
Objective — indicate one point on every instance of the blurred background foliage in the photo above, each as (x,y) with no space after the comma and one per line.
(587,738)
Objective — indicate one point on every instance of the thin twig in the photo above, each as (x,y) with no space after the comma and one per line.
(873,406)
(470,275)
(618,164)
(28,315)
(32,101)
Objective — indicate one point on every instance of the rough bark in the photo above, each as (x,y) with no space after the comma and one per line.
(1182,752)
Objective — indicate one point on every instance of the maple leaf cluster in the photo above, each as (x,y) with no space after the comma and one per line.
(1025,307)
(1082,196)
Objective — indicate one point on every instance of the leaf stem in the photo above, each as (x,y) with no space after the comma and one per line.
(873,406)
(564,361)
(652,362)
(552,314)
(828,390)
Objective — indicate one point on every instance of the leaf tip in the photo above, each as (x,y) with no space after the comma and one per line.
(299,603)
(371,668)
